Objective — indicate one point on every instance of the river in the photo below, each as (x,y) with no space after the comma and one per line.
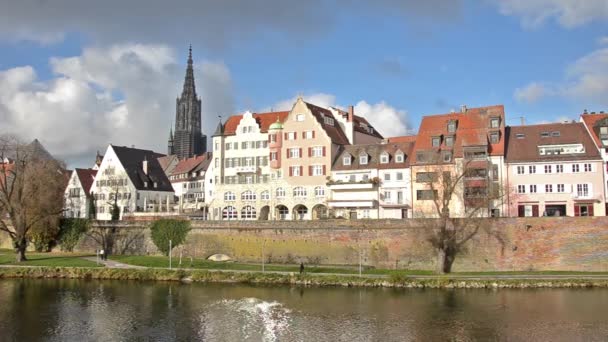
(80,310)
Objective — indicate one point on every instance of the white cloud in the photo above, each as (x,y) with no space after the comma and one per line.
(531,93)
(123,94)
(568,13)
(387,120)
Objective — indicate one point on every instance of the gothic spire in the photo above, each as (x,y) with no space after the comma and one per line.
(189,87)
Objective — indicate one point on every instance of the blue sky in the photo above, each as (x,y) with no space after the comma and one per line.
(113,77)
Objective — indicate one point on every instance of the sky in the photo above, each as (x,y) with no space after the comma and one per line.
(80,75)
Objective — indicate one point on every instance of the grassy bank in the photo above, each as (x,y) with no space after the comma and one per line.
(7,257)
(207,276)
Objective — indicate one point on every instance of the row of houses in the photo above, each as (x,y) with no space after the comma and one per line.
(312,162)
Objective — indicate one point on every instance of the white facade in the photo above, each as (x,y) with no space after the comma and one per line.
(395,193)
(354,194)
(75,198)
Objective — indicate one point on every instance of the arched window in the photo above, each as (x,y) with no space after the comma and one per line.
(280,193)
(229,196)
(319,191)
(229,213)
(283,212)
(265,195)
(248,213)
(299,192)
(249,196)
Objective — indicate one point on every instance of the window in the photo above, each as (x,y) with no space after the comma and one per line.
(547,168)
(387,196)
(248,213)
(587,167)
(265,195)
(548,188)
(560,188)
(280,192)
(449,141)
(533,188)
(384,158)
(425,177)
(582,190)
(399,157)
(309,135)
(494,137)
(229,213)
(399,176)
(235,145)
(319,191)
(555,134)
(583,210)
(300,117)
(520,136)
(295,171)
(520,170)
(575,168)
(244,145)
(452,126)
(425,195)
(545,134)
(559,168)
(527,210)
(436,141)
(447,156)
(294,152)
(273,156)
(521,189)
(299,192)
(316,170)
(273,138)
(363,159)
(494,122)
(346,160)
(532,169)
(248,196)
(387,176)
(291,135)
(217,146)
(229,196)
(328,120)
(316,151)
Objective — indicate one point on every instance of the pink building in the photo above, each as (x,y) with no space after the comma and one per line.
(554,170)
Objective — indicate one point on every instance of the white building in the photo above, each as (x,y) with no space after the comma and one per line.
(192,180)
(77,195)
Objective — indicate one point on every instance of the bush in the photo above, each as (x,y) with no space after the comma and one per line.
(70,232)
(169,229)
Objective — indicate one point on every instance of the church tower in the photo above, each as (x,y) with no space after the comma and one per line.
(187,140)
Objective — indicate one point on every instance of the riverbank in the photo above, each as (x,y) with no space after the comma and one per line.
(293,279)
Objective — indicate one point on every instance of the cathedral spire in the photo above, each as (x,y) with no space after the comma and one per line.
(189,87)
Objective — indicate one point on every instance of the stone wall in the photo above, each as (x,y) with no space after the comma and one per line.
(506,244)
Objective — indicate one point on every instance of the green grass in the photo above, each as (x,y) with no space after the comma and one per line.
(163,262)
(527,273)
(7,257)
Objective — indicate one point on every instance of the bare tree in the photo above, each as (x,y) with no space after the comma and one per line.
(31,191)
(462,196)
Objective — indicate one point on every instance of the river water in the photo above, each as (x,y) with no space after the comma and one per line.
(80,310)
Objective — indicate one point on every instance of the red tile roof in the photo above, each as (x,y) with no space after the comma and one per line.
(334,131)
(187,165)
(405,138)
(264,120)
(472,129)
(86,178)
(591,120)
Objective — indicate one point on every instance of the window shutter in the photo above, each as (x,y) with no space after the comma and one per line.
(290,171)
(301,170)
(313,134)
(323,151)
(288,154)
(300,154)
(285,135)
(310,151)
(323,170)
(590,209)
(310,170)
(577,210)
(535,210)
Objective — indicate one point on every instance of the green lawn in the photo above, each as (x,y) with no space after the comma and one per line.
(163,262)
(7,257)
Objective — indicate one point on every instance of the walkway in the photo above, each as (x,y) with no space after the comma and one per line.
(112,263)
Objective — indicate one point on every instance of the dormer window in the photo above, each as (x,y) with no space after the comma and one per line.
(520,136)
(363,158)
(436,141)
(346,159)
(544,134)
(399,157)
(452,126)
(494,137)
(328,120)
(494,122)
(145,184)
(449,141)
(555,134)
(384,158)
(155,185)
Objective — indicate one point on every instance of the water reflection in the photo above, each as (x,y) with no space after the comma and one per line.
(71,310)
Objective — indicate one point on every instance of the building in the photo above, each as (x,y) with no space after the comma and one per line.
(597,126)
(372,181)
(77,197)
(134,180)
(192,181)
(464,151)
(188,139)
(554,170)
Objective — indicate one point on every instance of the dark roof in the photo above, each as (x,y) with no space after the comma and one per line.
(132,160)
(373,152)
(219,130)
(334,131)
(86,178)
(525,149)
(36,150)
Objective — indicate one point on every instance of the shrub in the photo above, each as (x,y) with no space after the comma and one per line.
(70,232)
(169,229)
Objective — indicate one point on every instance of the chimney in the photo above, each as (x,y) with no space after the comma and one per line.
(523,120)
(585,111)
(351,113)
(144,165)
(463,108)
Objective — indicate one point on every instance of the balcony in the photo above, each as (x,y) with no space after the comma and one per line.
(246,169)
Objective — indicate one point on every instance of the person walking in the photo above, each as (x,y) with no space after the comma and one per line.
(301,267)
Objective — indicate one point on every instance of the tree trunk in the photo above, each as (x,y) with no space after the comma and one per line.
(445,259)
(20,247)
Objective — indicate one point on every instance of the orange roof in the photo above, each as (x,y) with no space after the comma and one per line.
(590,121)
(187,165)
(405,138)
(472,129)
(264,120)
